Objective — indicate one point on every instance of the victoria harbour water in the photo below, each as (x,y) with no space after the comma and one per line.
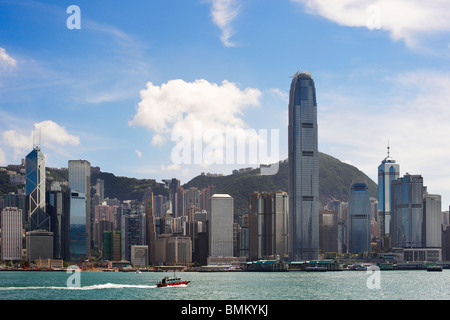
(344,285)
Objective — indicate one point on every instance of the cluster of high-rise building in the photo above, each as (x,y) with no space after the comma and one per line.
(75,221)
(405,219)
(46,222)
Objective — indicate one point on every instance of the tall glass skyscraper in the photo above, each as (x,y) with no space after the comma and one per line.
(303,170)
(388,171)
(80,207)
(359,219)
(35,190)
(407,212)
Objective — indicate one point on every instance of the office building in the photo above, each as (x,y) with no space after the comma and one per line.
(11,237)
(19,200)
(303,169)
(39,245)
(78,234)
(80,217)
(432,220)
(133,234)
(328,226)
(150,225)
(35,190)
(359,219)
(103,221)
(112,245)
(56,211)
(179,251)
(268,225)
(220,226)
(388,171)
(407,212)
(100,190)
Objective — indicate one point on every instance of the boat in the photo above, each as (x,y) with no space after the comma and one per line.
(316,269)
(171,282)
(434,268)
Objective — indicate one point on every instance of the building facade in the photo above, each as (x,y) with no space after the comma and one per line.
(220,226)
(78,234)
(407,212)
(303,170)
(80,217)
(359,219)
(268,225)
(56,211)
(11,238)
(35,190)
(433,220)
(388,171)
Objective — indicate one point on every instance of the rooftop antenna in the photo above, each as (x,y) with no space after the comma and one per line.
(388,148)
(37,146)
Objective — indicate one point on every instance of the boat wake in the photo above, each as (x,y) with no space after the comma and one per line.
(93,287)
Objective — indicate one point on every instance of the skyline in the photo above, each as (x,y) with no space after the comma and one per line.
(91,89)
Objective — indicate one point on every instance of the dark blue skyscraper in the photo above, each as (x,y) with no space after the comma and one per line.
(407,225)
(359,219)
(80,207)
(303,169)
(35,190)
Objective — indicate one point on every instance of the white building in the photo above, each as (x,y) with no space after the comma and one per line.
(11,234)
(220,226)
(433,220)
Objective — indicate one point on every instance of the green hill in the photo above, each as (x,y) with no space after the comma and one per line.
(335,179)
(124,188)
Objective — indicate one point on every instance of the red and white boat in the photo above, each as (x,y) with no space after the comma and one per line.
(171,282)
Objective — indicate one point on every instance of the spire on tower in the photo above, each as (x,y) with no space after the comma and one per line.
(388,148)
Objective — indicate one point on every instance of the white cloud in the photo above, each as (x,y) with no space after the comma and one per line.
(6,60)
(280,94)
(47,133)
(53,133)
(3,161)
(139,153)
(413,116)
(223,13)
(179,105)
(408,20)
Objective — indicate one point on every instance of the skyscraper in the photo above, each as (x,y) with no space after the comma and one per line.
(11,224)
(147,199)
(220,226)
(80,206)
(35,190)
(359,219)
(407,212)
(388,171)
(303,169)
(433,220)
(267,225)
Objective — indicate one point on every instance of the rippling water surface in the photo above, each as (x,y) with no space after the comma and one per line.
(345,285)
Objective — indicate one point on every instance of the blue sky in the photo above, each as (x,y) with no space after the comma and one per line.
(114,91)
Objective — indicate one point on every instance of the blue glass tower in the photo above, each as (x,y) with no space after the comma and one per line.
(388,171)
(407,226)
(35,190)
(359,219)
(80,208)
(303,169)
